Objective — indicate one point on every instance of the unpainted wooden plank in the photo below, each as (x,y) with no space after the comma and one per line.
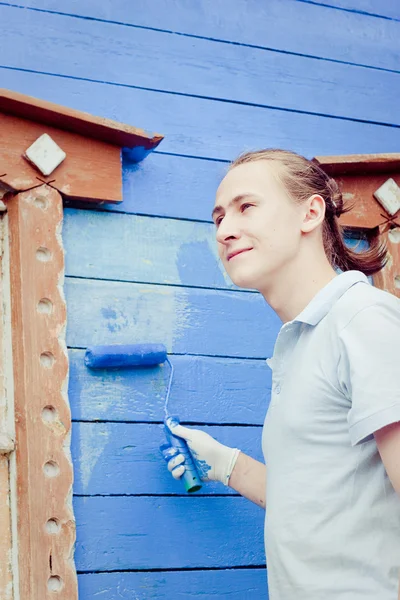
(238,584)
(124,458)
(286,25)
(157,60)
(45,522)
(186,320)
(209,128)
(167,533)
(389,278)
(6,572)
(92,168)
(204,390)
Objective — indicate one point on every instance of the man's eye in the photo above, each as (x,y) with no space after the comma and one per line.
(218,221)
(244,206)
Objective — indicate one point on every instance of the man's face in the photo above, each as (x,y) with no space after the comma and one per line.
(258,225)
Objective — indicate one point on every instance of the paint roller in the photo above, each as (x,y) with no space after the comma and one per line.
(148,355)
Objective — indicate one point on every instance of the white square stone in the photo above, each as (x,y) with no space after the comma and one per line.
(45,154)
(389,196)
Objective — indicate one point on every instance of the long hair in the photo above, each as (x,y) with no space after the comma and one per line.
(302,178)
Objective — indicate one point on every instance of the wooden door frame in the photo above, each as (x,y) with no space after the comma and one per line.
(359,176)
(41,526)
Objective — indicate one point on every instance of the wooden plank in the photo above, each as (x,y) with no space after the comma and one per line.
(385,8)
(237,584)
(208,128)
(84,124)
(285,25)
(45,522)
(6,567)
(204,390)
(183,319)
(92,169)
(389,278)
(197,67)
(6,574)
(122,458)
(156,532)
(172,186)
(159,251)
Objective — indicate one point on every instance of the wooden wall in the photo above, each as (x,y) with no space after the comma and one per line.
(217,78)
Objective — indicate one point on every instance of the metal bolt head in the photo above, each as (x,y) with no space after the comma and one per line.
(45,154)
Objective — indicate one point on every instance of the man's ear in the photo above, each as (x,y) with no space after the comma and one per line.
(313,213)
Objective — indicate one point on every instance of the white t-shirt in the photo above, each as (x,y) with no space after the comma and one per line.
(332,528)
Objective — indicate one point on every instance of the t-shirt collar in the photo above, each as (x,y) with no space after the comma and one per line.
(323,301)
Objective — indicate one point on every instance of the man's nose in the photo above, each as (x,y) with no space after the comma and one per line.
(227,230)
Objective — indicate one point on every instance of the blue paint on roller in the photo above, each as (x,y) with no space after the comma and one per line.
(125,356)
(147,355)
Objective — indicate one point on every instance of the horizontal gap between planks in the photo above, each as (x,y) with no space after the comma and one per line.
(173,285)
(89,206)
(156,495)
(186,422)
(255,358)
(217,40)
(174,570)
(350,10)
(219,160)
(201,97)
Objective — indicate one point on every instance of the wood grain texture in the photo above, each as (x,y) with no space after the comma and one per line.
(389,278)
(133,248)
(286,25)
(385,8)
(186,320)
(6,569)
(182,534)
(240,584)
(176,252)
(92,169)
(84,124)
(204,390)
(156,60)
(6,573)
(41,368)
(124,458)
(209,128)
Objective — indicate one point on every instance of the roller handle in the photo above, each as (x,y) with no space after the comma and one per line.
(191,479)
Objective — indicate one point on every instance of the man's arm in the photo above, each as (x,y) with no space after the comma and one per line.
(388,442)
(249,478)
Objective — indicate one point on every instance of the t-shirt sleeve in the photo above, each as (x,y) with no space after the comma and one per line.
(369,368)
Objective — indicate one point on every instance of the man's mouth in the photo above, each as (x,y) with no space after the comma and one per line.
(236,253)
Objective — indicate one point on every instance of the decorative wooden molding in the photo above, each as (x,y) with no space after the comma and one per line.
(6,442)
(92,169)
(359,177)
(78,158)
(46,528)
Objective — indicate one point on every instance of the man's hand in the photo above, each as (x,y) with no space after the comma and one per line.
(213,460)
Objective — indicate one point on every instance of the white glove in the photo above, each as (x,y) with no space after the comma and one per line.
(214,461)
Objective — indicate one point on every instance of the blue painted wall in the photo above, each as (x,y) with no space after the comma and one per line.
(216,78)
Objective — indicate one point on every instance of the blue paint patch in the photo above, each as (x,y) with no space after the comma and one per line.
(136,154)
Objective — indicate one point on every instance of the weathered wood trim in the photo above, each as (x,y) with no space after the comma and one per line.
(45,522)
(84,124)
(6,441)
(358,177)
(91,171)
